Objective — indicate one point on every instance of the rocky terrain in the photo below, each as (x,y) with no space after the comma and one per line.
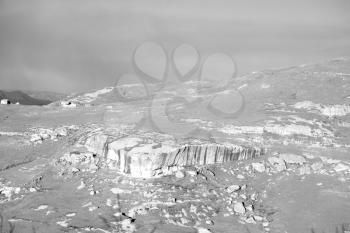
(97,163)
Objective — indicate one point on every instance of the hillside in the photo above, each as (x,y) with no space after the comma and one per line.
(45,95)
(22,98)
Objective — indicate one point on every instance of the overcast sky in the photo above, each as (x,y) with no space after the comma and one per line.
(77,45)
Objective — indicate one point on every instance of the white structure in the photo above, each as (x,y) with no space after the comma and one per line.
(68,104)
(5,101)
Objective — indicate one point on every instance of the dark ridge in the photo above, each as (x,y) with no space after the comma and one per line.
(22,98)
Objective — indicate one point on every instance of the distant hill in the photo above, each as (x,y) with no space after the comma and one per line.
(22,98)
(45,95)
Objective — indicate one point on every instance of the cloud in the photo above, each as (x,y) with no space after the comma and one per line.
(67,46)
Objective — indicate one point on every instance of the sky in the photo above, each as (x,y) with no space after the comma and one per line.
(79,45)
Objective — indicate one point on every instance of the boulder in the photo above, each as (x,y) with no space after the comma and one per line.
(239,208)
(259,167)
(317,166)
(233,188)
(179,174)
(341,167)
(277,163)
(35,138)
(61,131)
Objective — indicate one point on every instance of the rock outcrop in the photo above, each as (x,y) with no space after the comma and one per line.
(327,110)
(147,160)
(148,156)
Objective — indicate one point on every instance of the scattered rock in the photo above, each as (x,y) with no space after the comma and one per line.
(41,207)
(233,188)
(70,214)
(203,230)
(277,163)
(109,202)
(341,167)
(128,226)
(192,173)
(92,192)
(239,208)
(265,224)
(317,166)
(81,186)
(32,190)
(179,175)
(250,220)
(258,218)
(259,167)
(63,223)
(119,191)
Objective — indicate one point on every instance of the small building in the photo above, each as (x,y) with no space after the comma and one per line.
(5,101)
(68,104)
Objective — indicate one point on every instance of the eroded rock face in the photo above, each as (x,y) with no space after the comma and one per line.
(147,156)
(147,160)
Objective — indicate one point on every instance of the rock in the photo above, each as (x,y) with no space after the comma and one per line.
(259,167)
(41,207)
(293,159)
(250,220)
(97,144)
(35,138)
(305,170)
(128,226)
(258,218)
(32,190)
(253,197)
(209,222)
(232,188)
(75,170)
(119,191)
(148,159)
(184,221)
(249,207)
(239,208)
(61,131)
(317,166)
(192,173)
(277,163)
(109,202)
(81,186)
(92,192)
(241,177)
(341,167)
(203,230)
(179,174)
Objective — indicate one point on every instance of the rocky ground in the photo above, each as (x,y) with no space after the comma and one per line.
(100,164)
